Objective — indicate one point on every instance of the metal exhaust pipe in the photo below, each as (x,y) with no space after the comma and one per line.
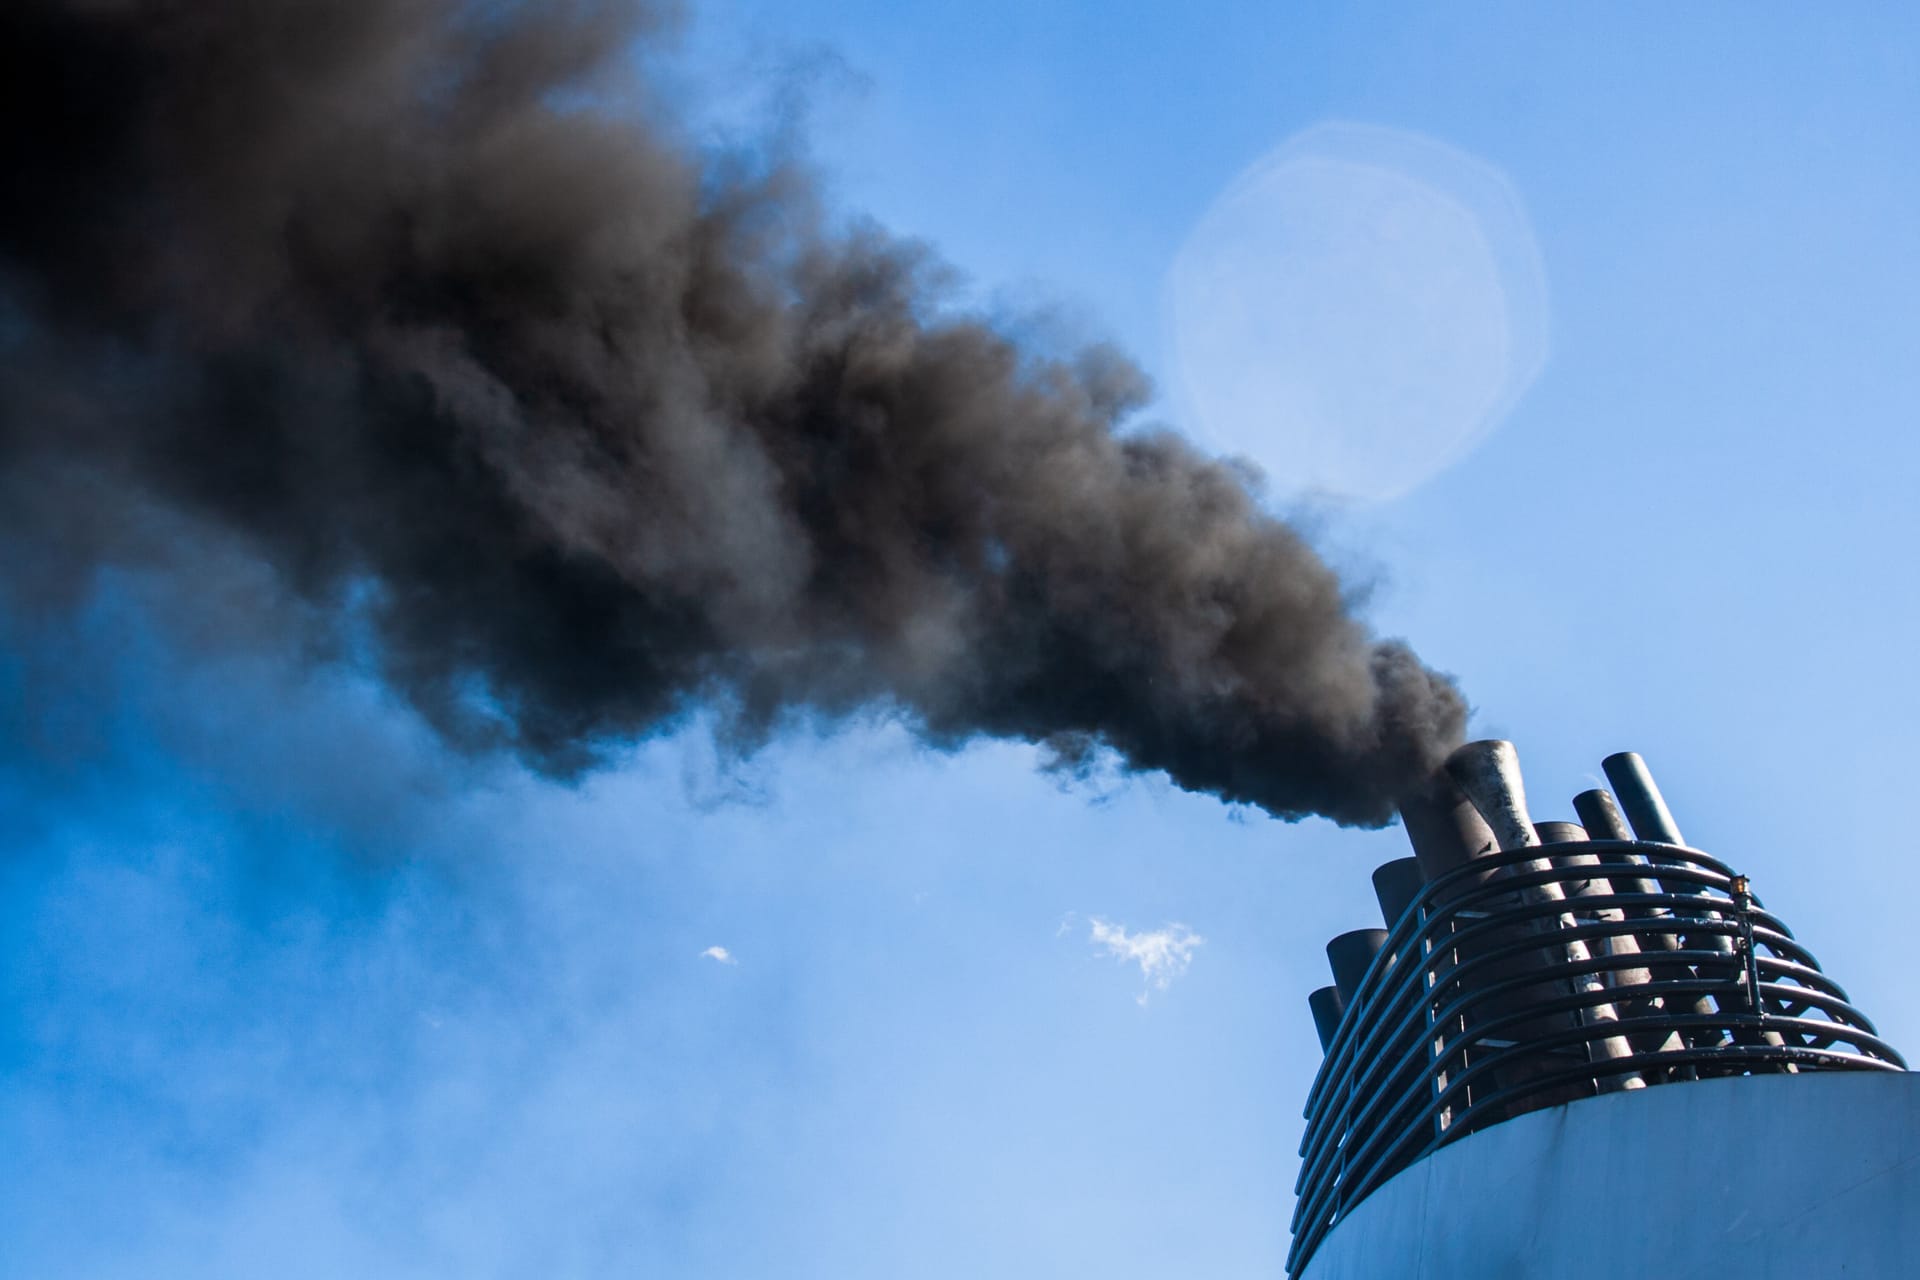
(1396,885)
(1652,820)
(1489,773)
(1596,887)
(1632,1004)
(1621,943)
(1604,821)
(1446,825)
(1350,955)
(1447,833)
(1646,808)
(1328,1008)
(1445,830)
(1601,816)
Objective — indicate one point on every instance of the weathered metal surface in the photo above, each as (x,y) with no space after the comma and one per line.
(1489,773)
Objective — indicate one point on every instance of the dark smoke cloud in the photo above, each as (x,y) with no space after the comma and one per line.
(431,304)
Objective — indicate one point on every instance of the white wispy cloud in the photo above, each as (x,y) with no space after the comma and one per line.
(1163,954)
(719,954)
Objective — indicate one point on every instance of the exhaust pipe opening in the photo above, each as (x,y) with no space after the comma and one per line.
(1446,831)
(1601,816)
(1328,1008)
(1396,885)
(1488,772)
(1349,955)
(1640,797)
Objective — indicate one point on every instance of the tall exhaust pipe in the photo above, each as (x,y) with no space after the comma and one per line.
(1447,833)
(1604,821)
(1488,772)
(1560,832)
(1601,816)
(1633,1004)
(1443,826)
(1646,808)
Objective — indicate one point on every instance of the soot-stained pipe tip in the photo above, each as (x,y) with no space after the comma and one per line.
(1488,772)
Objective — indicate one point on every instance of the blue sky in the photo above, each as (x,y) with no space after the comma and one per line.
(290,991)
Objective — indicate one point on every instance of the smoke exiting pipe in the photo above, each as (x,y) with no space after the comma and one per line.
(1349,956)
(1328,1008)
(558,362)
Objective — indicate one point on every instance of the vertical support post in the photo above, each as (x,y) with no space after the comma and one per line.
(1743,910)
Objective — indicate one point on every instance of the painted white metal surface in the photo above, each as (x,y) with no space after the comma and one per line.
(1756,1178)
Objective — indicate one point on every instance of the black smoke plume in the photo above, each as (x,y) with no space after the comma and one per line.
(432,304)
